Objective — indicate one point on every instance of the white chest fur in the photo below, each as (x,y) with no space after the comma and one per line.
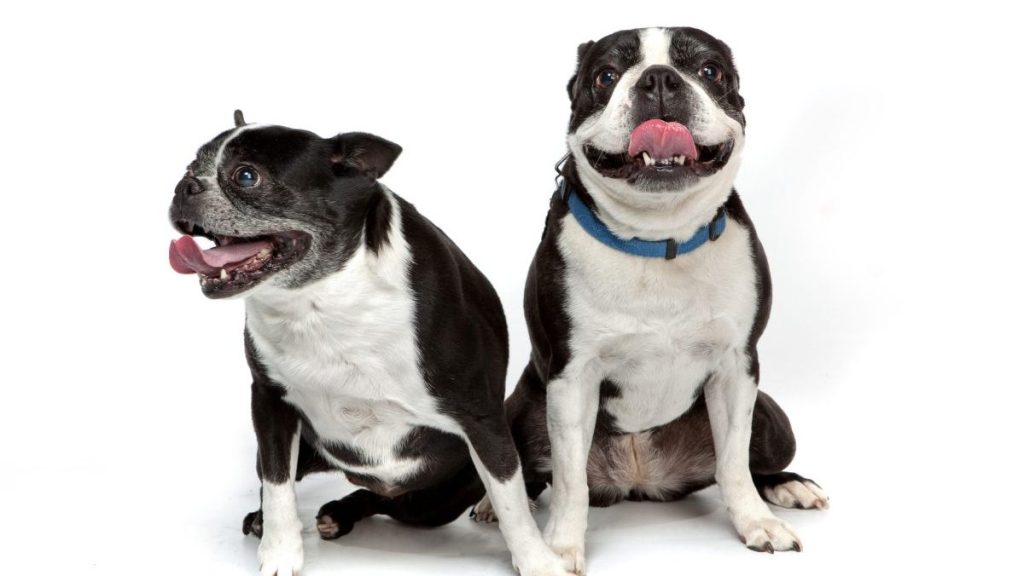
(344,349)
(657,328)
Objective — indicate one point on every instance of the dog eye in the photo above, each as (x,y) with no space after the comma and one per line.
(246,176)
(605,78)
(711,71)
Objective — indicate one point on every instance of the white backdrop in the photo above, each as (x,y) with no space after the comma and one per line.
(880,170)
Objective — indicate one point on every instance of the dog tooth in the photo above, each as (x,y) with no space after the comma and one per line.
(648,160)
(223,274)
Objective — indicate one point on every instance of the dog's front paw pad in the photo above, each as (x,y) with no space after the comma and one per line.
(281,556)
(337,518)
(484,512)
(329,528)
(253,524)
(802,493)
(770,535)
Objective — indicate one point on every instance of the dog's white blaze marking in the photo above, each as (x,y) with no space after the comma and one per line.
(234,134)
(210,179)
(710,125)
(280,550)
(655,44)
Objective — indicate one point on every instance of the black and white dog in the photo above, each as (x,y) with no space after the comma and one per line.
(376,347)
(646,299)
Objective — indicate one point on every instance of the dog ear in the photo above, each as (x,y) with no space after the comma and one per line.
(581,51)
(239,119)
(362,153)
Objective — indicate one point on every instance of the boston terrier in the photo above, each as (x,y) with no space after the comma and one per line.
(645,302)
(376,347)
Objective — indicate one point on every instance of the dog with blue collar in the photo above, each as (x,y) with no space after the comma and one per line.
(645,302)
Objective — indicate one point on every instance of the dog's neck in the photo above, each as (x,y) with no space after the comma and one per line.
(380,259)
(654,216)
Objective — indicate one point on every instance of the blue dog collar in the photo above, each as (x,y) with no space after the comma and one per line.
(667,249)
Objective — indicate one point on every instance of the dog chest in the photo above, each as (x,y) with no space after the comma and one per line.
(656,329)
(344,350)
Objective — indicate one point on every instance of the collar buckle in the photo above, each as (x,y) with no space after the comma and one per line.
(671,249)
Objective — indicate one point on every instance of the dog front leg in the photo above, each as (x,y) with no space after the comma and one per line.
(277,434)
(572,403)
(730,396)
(494,455)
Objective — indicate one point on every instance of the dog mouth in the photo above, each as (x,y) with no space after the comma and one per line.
(235,263)
(660,150)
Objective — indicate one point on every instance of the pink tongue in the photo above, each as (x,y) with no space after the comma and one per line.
(188,258)
(662,140)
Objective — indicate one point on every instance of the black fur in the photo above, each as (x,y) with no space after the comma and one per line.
(734,208)
(476,345)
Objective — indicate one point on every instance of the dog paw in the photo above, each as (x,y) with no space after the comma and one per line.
(281,554)
(572,559)
(769,535)
(545,563)
(332,525)
(797,493)
(569,549)
(484,513)
(253,524)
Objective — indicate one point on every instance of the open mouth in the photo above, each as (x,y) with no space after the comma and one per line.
(660,150)
(234,264)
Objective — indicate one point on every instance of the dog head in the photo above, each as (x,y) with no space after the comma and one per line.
(281,206)
(655,111)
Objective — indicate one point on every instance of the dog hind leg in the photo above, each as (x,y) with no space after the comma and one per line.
(772,447)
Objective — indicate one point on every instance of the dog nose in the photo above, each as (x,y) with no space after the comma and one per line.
(188,186)
(660,81)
